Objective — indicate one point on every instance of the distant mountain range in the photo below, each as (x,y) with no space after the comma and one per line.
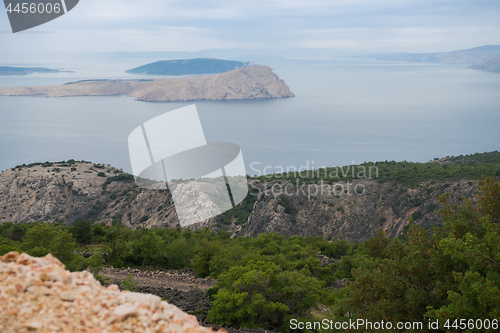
(482,58)
(7,70)
(189,67)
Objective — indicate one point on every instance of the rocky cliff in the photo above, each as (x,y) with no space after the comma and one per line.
(244,83)
(70,191)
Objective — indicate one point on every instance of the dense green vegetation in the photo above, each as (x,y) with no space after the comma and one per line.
(409,173)
(444,273)
(269,277)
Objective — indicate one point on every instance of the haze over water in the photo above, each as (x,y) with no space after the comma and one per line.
(345,110)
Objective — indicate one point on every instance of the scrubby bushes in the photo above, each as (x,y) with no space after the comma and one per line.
(260,294)
(442,273)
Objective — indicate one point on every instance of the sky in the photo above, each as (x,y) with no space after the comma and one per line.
(357,26)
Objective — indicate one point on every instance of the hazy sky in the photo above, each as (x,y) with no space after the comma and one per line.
(192,25)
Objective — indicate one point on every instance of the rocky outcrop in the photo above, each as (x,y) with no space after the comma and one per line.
(325,261)
(490,65)
(244,83)
(315,210)
(38,294)
(66,193)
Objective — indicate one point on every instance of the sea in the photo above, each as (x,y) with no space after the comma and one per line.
(345,111)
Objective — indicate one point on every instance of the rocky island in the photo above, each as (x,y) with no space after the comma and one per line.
(244,83)
(7,70)
(196,66)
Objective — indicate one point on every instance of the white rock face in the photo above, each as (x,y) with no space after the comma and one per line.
(152,301)
(33,298)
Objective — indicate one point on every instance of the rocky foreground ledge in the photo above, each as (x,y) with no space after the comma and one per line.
(39,295)
(244,83)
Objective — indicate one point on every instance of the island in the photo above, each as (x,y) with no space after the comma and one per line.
(468,56)
(7,70)
(190,67)
(490,65)
(244,83)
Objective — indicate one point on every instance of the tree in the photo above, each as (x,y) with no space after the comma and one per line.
(375,246)
(259,294)
(43,238)
(149,249)
(5,248)
(473,240)
(179,252)
(82,232)
(205,251)
(95,262)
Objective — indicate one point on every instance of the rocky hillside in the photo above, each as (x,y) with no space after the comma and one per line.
(244,83)
(70,191)
(490,65)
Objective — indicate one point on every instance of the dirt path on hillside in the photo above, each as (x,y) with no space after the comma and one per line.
(181,281)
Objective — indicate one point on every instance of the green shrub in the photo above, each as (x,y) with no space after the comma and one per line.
(95,262)
(4,248)
(260,294)
(82,232)
(129,283)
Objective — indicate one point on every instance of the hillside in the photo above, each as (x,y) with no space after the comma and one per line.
(7,70)
(244,83)
(490,65)
(70,191)
(189,67)
(468,56)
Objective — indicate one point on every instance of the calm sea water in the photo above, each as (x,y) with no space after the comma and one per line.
(345,110)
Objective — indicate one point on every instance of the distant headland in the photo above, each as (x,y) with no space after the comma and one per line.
(196,66)
(244,83)
(7,70)
(486,58)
